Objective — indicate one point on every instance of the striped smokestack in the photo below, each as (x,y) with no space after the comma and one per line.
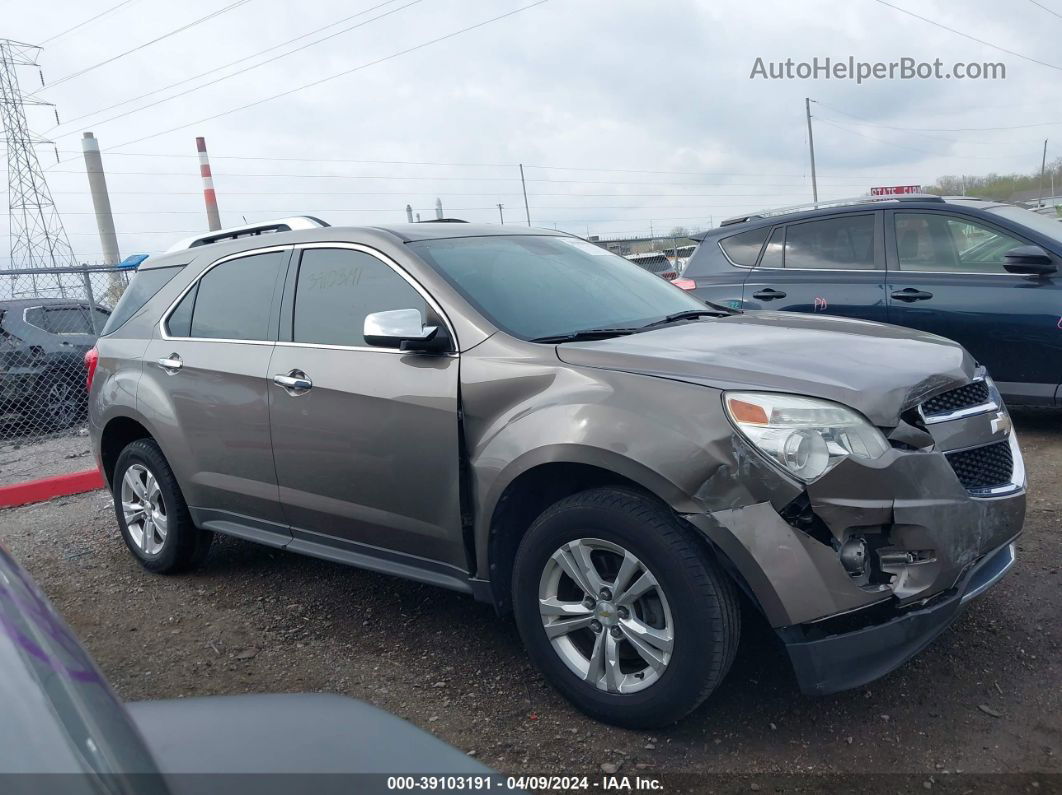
(209,196)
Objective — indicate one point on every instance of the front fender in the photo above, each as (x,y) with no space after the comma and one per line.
(669,437)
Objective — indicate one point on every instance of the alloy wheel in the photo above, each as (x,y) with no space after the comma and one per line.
(606,615)
(61,403)
(144,509)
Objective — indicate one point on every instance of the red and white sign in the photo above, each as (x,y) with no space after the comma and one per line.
(895,190)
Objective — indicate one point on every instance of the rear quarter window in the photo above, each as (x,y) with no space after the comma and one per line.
(142,288)
(744,248)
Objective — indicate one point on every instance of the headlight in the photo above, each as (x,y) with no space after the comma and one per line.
(806,436)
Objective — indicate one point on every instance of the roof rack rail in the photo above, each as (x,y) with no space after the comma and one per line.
(250,230)
(796,208)
(442,221)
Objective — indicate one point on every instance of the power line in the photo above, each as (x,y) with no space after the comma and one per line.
(334,76)
(398,210)
(113,58)
(89,20)
(246,69)
(280,194)
(968,36)
(278,159)
(846,128)
(223,66)
(922,131)
(428,178)
(1045,8)
(395,208)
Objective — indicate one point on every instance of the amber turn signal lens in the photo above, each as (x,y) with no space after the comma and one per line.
(750,413)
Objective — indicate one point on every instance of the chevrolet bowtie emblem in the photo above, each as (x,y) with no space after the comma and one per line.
(1001,422)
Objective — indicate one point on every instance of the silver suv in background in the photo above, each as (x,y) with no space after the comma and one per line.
(466,406)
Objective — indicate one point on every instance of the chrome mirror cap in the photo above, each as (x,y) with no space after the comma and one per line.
(391,328)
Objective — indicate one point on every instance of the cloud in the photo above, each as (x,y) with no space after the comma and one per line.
(600,84)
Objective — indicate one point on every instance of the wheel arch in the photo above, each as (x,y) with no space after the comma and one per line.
(117,434)
(539,479)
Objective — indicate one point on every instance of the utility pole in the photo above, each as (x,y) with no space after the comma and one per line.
(501,217)
(209,196)
(523,184)
(38,239)
(438,209)
(101,200)
(1043,167)
(409,213)
(811,147)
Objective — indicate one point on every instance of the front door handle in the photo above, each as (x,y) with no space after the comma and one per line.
(769,294)
(171,364)
(910,294)
(296,382)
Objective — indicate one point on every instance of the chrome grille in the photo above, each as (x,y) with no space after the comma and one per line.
(973,394)
(983,467)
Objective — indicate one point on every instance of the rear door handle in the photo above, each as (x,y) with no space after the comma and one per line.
(171,364)
(296,382)
(769,294)
(910,294)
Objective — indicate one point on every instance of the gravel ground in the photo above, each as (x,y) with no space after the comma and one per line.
(53,454)
(985,698)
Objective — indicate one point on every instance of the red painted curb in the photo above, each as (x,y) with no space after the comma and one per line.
(49,488)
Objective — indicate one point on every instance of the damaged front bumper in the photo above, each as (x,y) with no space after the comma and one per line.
(827,661)
(860,569)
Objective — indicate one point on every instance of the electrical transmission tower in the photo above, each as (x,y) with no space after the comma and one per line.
(38,239)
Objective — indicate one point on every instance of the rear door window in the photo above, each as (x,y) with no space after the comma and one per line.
(774,254)
(233,300)
(744,248)
(844,243)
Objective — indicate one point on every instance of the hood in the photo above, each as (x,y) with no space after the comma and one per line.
(877,369)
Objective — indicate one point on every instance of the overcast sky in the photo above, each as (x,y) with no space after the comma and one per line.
(625,113)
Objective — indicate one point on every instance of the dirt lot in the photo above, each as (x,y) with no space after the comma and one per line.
(985,698)
(49,454)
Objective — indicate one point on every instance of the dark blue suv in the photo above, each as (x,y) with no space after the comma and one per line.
(982,273)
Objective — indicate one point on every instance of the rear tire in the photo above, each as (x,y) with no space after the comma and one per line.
(664,628)
(152,514)
(63,400)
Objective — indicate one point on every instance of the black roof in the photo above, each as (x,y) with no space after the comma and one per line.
(769,218)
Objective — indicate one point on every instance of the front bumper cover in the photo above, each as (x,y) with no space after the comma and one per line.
(851,659)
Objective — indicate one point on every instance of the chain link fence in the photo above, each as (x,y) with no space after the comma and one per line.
(49,319)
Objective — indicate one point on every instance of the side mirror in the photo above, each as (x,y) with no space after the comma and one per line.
(403,329)
(1031,260)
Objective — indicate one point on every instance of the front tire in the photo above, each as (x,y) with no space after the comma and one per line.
(152,513)
(622,610)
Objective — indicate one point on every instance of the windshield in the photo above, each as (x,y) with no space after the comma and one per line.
(536,286)
(1044,224)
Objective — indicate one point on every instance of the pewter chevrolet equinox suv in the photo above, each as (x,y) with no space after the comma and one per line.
(524,417)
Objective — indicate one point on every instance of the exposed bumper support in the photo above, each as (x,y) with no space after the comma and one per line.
(852,659)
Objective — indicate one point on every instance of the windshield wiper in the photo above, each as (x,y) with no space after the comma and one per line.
(689,314)
(586,334)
